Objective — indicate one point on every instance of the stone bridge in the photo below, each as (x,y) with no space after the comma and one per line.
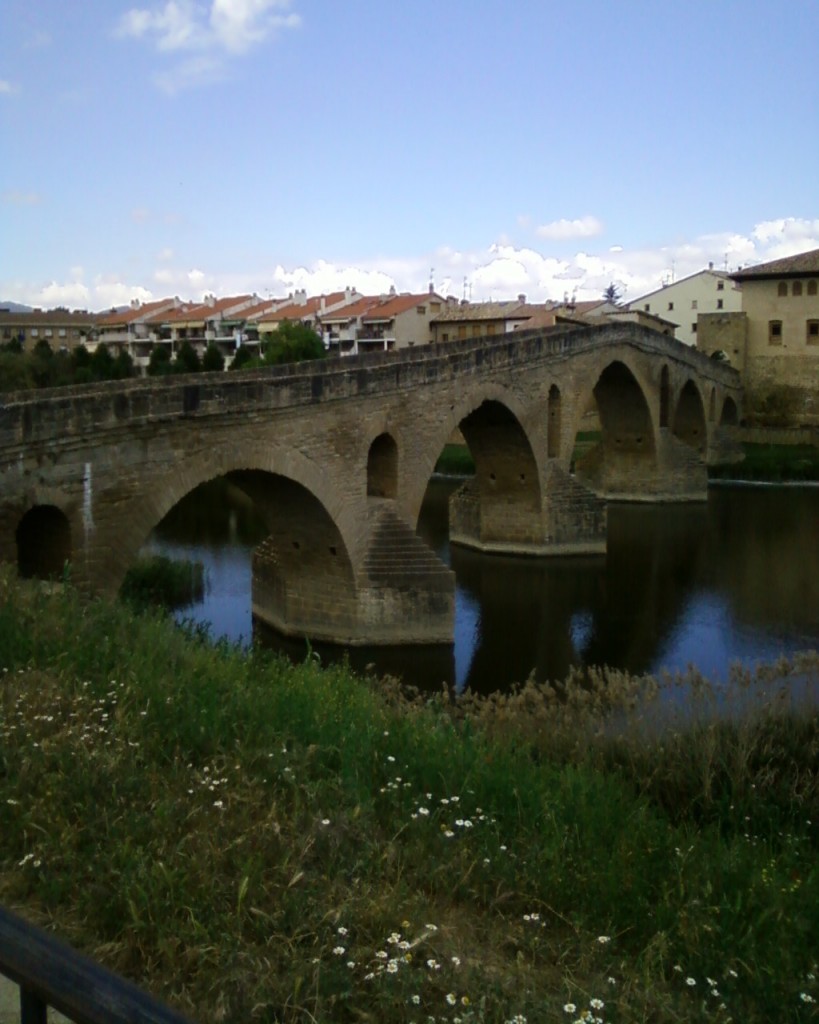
(337,456)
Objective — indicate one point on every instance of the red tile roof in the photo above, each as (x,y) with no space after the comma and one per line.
(394,305)
(131,315)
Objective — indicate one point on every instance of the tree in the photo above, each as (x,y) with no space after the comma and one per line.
(612,294)
(213,360)
(187,361)
(102,363)
(159,362)
(292,343)
(243,358)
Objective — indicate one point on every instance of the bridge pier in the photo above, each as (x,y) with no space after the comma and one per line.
(629,468)
(570,520)
(400,593)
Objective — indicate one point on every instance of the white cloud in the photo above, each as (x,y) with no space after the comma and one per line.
(209,32)
(560,230)
(8,88)
(500,271)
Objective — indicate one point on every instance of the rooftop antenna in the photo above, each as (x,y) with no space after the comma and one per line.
(725,262)
(431,280)
(464,291)
(673,270)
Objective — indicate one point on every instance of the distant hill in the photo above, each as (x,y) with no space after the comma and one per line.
(14,307)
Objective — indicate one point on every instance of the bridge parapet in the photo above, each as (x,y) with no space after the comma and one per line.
(59,414)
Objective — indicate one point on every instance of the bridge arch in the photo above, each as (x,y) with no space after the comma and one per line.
(286,486)
(492,420)
(689,417)
(627,454)
(729,417)
(43,538)
(382,467)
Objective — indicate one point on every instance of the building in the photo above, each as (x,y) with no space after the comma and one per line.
(681,302)
(128,329)
(399,321)
(774,341)
(61,328)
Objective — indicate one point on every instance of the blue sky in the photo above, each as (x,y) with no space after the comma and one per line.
(161,147)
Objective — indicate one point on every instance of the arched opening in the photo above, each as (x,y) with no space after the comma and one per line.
(553,444)
(730,414)
(623,460)
(689,417)
(665,397)
(500,505)
(382,467)
(43,542)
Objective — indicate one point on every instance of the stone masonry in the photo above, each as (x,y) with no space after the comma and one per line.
(337,456)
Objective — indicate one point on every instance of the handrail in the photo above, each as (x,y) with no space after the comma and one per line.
(51,973)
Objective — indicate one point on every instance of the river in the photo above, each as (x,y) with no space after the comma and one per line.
(733,579)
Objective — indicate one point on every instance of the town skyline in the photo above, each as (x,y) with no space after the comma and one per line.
(194,147)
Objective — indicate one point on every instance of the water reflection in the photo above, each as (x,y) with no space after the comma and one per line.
(706,584)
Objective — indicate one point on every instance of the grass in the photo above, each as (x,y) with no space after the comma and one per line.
(158,580)
(772,462)
(255,841)
(455,460)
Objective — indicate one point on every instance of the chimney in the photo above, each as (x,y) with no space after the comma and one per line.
(710,264)
(522,299)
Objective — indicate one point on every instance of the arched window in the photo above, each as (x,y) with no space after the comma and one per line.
(382,467)
(553,447)
(782,288)
(811,287)
(797,288)
(664,397)
(43,542)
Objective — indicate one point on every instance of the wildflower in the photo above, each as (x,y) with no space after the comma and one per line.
(382,955)
(451,998)
(596,1004)
(218,803)
(424,811)
(569,1008)
(339,951)
(691,982)
(611,981)
(416,1000)
(342,930)
(392,967)
(456,960)
(603,939)
(351,964)
(325,821)
(806,997)
(465,1000)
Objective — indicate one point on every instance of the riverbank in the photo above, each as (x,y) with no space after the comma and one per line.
(256,841)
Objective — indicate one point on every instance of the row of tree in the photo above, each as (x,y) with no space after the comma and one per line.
(42,367)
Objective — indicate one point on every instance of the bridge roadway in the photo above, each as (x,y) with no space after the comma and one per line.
(337,455)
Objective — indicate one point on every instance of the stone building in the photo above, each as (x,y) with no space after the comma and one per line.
(774,341)
(683,301)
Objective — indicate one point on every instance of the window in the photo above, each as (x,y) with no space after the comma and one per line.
(774,332)
(490,328)
(813,332)
(462,330)
(476,330)
(720,286)
(647,307)
(719,303)
(445,336)
(48,332)
(421,309)
(693,303)
(34,332)
(782,288)
(694,328)
(670,306)
(797,288)
(62,332)
(811,287)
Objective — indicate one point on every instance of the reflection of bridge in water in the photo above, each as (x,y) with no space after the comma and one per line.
(337,456)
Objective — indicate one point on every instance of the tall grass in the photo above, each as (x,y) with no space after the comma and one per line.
(257,841)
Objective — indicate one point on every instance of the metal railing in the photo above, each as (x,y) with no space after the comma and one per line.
(50,973)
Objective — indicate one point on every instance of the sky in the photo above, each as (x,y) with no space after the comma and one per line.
(551,147)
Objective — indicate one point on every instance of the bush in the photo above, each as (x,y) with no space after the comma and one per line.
(213,360)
